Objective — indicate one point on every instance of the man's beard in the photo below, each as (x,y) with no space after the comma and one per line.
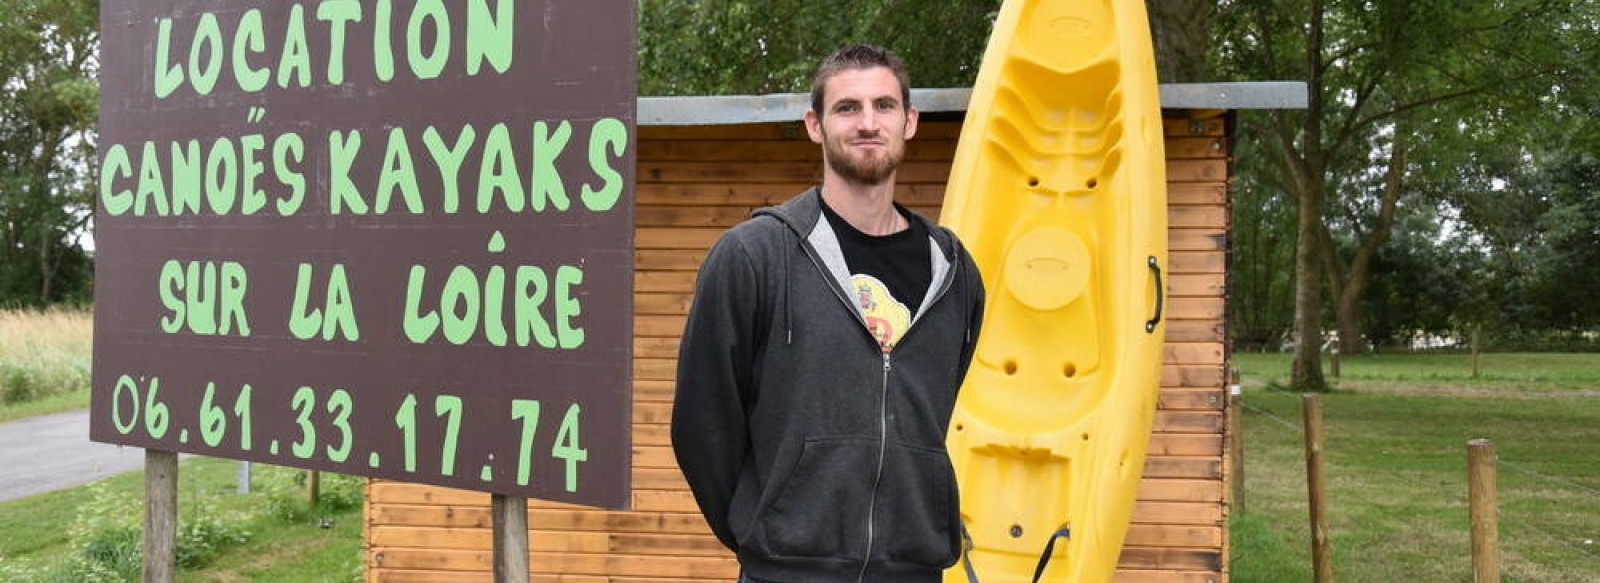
(867,170)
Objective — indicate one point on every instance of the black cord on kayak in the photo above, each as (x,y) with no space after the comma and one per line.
(1049,549)
(966,554)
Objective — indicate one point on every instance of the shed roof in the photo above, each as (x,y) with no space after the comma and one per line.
(777,107)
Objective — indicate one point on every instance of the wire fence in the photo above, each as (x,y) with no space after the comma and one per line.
(1564,539)
(1582,545)
(1295,427)
(1524,470)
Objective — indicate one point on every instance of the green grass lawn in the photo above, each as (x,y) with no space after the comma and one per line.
(1415,371)
(38,538)
(1395,452)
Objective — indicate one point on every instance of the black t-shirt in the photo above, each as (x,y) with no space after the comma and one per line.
(888,274)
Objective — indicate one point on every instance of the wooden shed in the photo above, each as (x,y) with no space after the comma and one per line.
(703,164)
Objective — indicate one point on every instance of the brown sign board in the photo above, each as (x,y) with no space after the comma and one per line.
(391,238)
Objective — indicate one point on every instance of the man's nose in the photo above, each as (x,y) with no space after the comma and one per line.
(868,122)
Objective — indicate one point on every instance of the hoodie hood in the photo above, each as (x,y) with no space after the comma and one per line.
(802,213)
(814,236)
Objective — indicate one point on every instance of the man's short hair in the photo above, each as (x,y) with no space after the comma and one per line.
(859,56)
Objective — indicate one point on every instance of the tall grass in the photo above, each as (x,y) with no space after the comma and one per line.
(44,353)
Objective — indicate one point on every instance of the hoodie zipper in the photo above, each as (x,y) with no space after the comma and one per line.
(883,446)
(883,419)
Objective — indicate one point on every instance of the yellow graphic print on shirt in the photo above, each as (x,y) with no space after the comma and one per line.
(887,318)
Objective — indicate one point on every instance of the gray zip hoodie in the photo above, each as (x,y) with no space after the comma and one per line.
(814,455)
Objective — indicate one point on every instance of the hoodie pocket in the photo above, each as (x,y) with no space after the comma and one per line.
(917,502)
(821,510)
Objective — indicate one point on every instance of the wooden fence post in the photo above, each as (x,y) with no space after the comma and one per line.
(510,517)
(1483,496)
(160,516)
(1321,547)
(1236,445)
(313,488)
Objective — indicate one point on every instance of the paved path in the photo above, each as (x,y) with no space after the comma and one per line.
(51,452)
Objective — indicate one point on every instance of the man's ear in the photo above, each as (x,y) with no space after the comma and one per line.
(911,122)
(813,125)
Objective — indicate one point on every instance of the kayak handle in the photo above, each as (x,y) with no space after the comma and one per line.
(1155,267)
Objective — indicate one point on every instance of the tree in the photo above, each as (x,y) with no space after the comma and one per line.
(47,160)
(724,47)
(1261,288)
(1378,74)
(1564,268)
(1182,37)
(728,47)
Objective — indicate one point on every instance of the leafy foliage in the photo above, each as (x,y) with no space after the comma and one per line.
(1262,285)
(286,494)
(47,157)
(1421,110)
(106,529)
(108,539)
(727,47)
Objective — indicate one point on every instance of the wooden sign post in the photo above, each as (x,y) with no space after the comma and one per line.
(510,538)
(389,238)
(161,516)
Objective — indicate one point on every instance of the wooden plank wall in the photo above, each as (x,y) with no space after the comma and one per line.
(696,181)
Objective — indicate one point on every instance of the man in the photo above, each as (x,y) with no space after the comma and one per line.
(822,356)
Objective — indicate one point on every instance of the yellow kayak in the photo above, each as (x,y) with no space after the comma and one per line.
(1059,191)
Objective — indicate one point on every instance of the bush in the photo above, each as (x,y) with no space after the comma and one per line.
(286,494)
(111,555)
(107,539)
(17,384)
(205,535)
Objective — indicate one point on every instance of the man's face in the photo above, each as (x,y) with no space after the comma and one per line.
(864,126)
